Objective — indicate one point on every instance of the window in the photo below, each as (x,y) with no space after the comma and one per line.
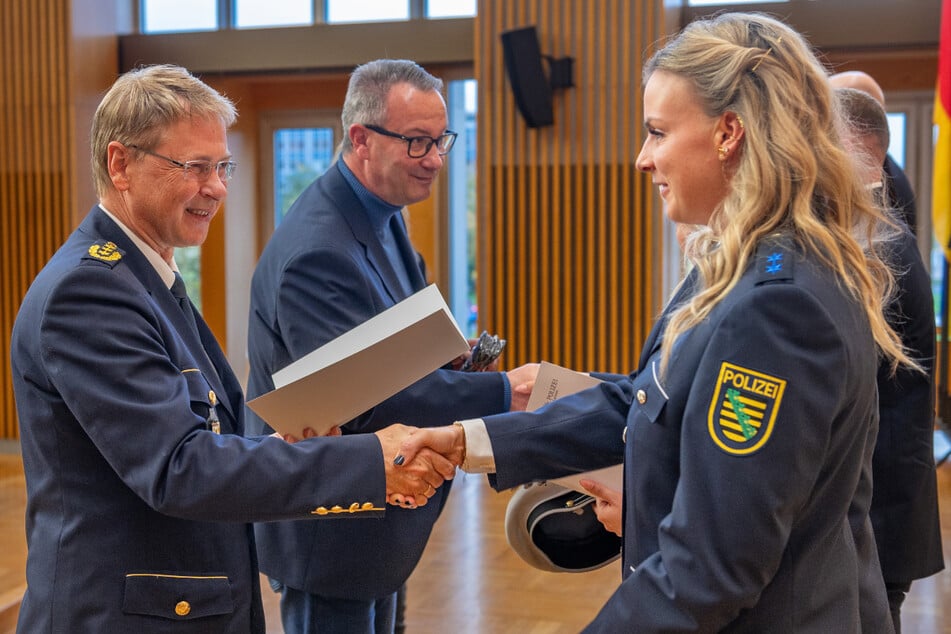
(302,145)
(162,16)
(167,16)
(254,13)
(462,206)
(366,10)
(300,156)
(450,8)
(896,131)
(710,3)
(188,260)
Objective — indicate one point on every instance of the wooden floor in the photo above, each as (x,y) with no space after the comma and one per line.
(469,581)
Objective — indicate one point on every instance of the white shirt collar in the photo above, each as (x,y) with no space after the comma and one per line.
(166,272)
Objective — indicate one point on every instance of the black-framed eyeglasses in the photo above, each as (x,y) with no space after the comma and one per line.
(198,170)
(419,146)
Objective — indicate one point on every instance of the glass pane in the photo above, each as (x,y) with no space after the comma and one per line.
(160,16)
(254,13)
(710,3)
(450,8)
(937,279)
(300,156)
(367,10)
(897,122)
(463,299)
(188,260)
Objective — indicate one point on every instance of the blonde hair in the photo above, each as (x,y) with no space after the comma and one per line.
(143,103)
(792,173)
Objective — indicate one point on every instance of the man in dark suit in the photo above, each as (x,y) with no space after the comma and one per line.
(901,195)
(140,484)
(341,256)
(904,509)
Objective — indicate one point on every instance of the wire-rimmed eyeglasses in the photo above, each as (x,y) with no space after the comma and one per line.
(199,170)
(419,146)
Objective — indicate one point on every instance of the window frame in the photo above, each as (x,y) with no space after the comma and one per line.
(270,122)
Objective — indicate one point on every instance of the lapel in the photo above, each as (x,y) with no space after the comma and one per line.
(355,215)
(100,225)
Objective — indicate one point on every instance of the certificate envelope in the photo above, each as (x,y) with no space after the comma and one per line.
(553,382)
(364,366)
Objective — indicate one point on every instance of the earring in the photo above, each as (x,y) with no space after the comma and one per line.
(740,121)
(723,151)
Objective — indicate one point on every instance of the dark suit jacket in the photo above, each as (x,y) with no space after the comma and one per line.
(744,465)
(137,514)
(905,500)
(322,273)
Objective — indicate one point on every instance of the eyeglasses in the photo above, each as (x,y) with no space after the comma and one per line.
(198,170)
(419,146)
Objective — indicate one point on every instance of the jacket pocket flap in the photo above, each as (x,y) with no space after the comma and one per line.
(178,597)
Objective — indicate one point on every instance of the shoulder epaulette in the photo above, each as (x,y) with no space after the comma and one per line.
(106,252)
(775,258)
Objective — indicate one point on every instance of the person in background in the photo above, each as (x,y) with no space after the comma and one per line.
(748,428)
(140,485)
(341,256)
(901,195)
(904,509)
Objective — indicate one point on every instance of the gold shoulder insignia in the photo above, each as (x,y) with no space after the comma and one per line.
(743,409)
(107,252)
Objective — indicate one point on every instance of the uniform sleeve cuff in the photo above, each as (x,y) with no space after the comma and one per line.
(479,457)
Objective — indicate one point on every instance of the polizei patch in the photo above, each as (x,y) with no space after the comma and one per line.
(743,409)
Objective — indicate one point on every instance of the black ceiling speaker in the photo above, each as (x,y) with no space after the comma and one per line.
(531,85)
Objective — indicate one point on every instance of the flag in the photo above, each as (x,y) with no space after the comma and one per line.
(941,179)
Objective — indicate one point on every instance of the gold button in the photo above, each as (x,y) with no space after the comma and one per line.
(182,608)
(641,397)
(320,510)
(354,507)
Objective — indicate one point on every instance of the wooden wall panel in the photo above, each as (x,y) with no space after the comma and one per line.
(59,57)
(569,260)
(35,159)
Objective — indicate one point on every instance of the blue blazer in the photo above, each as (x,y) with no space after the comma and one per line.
(752,523)
(138,514)
(322,273)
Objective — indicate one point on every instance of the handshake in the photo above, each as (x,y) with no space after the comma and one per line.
(417,461)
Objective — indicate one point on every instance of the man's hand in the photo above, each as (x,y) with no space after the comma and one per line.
(522,380)
(448,441)
(458,362)
(607,504)
(411,480)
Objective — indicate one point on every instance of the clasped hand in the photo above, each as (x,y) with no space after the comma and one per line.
(412,479)
(439,445)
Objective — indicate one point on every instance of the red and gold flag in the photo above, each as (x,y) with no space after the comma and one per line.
(941,183)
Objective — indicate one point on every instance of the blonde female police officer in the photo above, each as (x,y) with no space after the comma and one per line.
(749,425)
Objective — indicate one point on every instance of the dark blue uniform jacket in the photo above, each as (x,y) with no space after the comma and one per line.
(137,511)
(747,464)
